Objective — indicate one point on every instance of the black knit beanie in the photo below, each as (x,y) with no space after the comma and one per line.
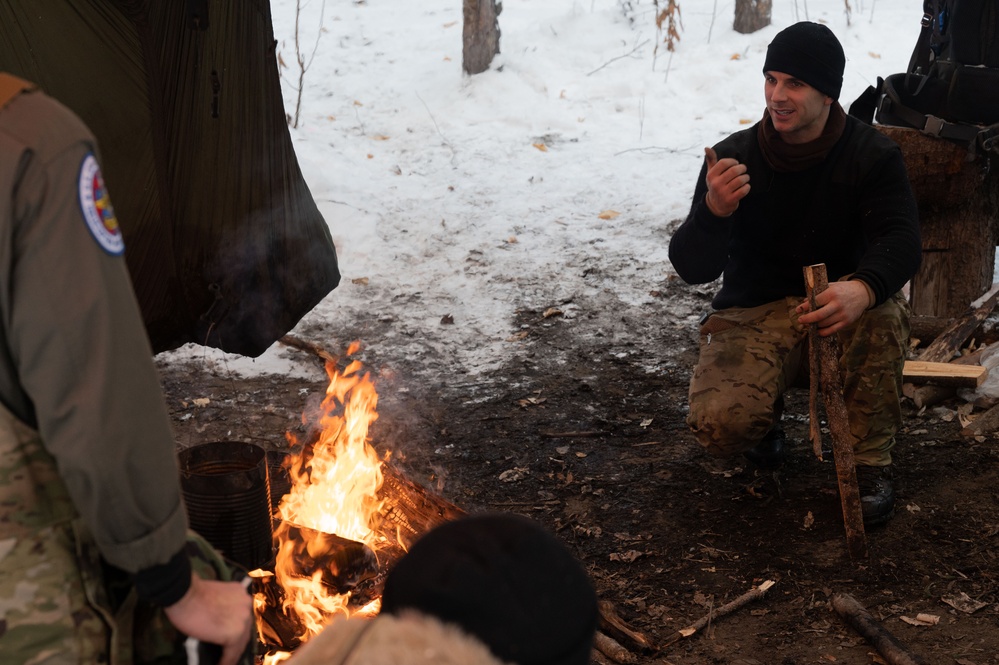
(810,52)
(505,580)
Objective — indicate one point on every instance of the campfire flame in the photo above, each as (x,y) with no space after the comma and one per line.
(333,500)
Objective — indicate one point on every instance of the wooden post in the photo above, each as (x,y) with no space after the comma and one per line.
(958,198)
(816,281)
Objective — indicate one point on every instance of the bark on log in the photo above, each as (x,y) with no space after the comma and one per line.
(864,623)
(816,281)
(958,197)
(480,35)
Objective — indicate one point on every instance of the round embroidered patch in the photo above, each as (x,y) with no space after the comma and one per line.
(95,204)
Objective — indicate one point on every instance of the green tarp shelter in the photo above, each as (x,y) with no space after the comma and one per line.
(224,242)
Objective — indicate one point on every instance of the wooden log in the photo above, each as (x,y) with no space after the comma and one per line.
(814,389)
(944,374)
(755,593)
(925,329)
(816,281)
(616,627)
(857,616)
(948,345)
(957,196)
(611,648)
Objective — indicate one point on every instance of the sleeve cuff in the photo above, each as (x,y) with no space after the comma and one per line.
(872,299)
(165,584)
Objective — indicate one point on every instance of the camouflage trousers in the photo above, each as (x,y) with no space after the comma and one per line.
(750,356)
(60,604)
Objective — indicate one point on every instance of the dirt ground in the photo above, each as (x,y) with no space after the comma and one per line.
(582,428)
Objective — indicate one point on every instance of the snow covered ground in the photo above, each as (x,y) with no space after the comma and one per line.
(477,196)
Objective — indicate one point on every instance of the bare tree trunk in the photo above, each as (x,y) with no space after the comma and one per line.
(751,15)
(480,35)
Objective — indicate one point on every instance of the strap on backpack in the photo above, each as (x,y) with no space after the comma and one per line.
(919,62)
(892,111)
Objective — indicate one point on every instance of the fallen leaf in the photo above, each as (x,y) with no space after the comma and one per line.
(357,103)
(362,281)
(552,311)
(516,337)
(627,557)
(514,474)
(540,146)
(379,137)
(913,508)
(331,118)
(809,520)
(736,56)
(645,423)
(449,24)
(370,156)
(447,58)
(580,455)
(608,214)
(201,401)
(876,56)
(746,121)
(562,450)
(447,319)
(512,240)
(963,603)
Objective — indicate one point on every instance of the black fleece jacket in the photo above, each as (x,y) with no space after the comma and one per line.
(855,212)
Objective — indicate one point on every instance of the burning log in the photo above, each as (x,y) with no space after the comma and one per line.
(343,563)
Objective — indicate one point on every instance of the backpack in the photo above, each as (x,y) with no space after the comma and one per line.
(951,87)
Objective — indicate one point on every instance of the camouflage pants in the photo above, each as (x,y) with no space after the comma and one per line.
(750,356)
(60,606)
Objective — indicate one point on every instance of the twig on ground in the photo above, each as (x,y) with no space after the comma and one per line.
(629,53)
(751,595)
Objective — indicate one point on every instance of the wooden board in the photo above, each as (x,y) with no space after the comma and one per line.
(944,374)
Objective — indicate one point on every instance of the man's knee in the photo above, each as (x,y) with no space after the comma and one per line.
(725,429)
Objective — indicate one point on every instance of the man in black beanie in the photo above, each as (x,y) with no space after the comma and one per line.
(805,185)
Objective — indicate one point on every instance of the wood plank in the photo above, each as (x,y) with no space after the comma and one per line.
(944,374)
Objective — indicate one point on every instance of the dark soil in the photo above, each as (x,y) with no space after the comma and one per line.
(582,429)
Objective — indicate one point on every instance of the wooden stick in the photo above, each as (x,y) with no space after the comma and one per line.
(816,281)
(751,595)
(618,628)
(611,648)
(302,345)
(864,623)
(814,372)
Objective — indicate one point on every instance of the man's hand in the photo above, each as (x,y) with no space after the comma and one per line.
(728,183)
(838,306)
(215,612)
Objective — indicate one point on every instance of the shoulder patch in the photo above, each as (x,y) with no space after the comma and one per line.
(95,205)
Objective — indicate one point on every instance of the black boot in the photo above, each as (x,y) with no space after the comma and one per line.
(769,453)
(877,494)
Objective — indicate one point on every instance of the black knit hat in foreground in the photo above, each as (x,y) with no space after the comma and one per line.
(810,52)
(505,580)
